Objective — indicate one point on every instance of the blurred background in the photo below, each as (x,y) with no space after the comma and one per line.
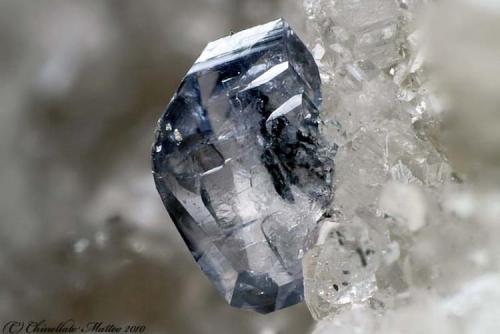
(83,232)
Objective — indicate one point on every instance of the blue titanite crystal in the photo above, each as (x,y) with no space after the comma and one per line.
(241,167)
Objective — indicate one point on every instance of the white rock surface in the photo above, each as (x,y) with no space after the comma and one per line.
(411,95)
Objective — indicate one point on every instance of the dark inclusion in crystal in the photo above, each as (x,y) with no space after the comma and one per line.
(241,167)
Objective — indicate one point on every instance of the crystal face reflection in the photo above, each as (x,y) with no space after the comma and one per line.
(241,167)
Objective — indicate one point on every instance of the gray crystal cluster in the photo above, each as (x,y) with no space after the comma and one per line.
(241,166)
(375,108)
(413,234)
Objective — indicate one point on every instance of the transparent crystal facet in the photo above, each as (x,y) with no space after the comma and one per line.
(241,167)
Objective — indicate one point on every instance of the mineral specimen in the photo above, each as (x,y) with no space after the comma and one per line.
(241,166)
(386,165)
(416,174)
(340,271)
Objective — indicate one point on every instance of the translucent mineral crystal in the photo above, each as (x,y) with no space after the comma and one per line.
(340,270)
(375,108)
(241,167)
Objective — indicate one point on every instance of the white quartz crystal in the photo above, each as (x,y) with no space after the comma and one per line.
(409,95)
